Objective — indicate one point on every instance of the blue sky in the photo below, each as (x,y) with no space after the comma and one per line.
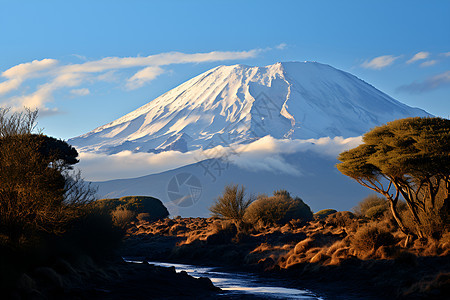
(86,63)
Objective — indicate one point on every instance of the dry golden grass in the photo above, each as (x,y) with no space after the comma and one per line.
(369,238)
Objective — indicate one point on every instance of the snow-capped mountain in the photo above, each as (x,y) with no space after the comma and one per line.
(279,126)
(295,100)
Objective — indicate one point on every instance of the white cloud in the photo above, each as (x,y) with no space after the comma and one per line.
(419,56)
(80,92)
(263,154)
(44,92)
(114,63)
(73,75)
(143,76)
(428,63)
(127,164)
(281,46)
(379,62)
(447,54)
(109,76)
(431,83)
(326,145)
(9,85)
(18,74)
(26,69)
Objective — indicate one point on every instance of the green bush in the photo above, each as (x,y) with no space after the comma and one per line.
(376,212)
(322,214)
(135,204)
(278,209)
(372,207)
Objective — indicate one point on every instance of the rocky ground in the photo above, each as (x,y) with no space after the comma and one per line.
(332,255)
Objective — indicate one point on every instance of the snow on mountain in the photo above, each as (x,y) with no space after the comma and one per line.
(295,100)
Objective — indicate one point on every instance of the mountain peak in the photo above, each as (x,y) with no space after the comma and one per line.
(285,100)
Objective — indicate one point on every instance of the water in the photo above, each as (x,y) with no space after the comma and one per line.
(238,284)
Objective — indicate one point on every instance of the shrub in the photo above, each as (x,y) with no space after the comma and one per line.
(340,219)
(282,193)
(278,209)
(322,214)
(370,237)
(232,204)
(372,207)
(376,212)
(144,217)
(431,225)
(445,241)
(122,217)
(223,233)
(136,204)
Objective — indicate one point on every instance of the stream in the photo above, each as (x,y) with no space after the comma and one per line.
(238,285)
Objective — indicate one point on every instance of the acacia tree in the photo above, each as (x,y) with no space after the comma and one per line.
(407,158)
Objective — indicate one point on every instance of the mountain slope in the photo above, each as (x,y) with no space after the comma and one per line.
(285,100)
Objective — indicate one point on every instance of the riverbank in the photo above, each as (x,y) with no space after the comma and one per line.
(320,255)
(111,280)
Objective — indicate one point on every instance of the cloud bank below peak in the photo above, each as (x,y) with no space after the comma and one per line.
(265,154)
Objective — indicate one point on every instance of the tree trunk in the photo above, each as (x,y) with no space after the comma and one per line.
(411,205)
(393,204)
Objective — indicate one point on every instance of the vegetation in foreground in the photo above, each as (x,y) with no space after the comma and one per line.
(407,159)
(343,251)
(56,242)
(46,219)
(398,242)
(126,209)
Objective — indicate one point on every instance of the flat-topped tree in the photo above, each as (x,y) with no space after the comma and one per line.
(408,158)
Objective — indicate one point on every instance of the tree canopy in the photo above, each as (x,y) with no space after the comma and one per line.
(407,158)
(35,187)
